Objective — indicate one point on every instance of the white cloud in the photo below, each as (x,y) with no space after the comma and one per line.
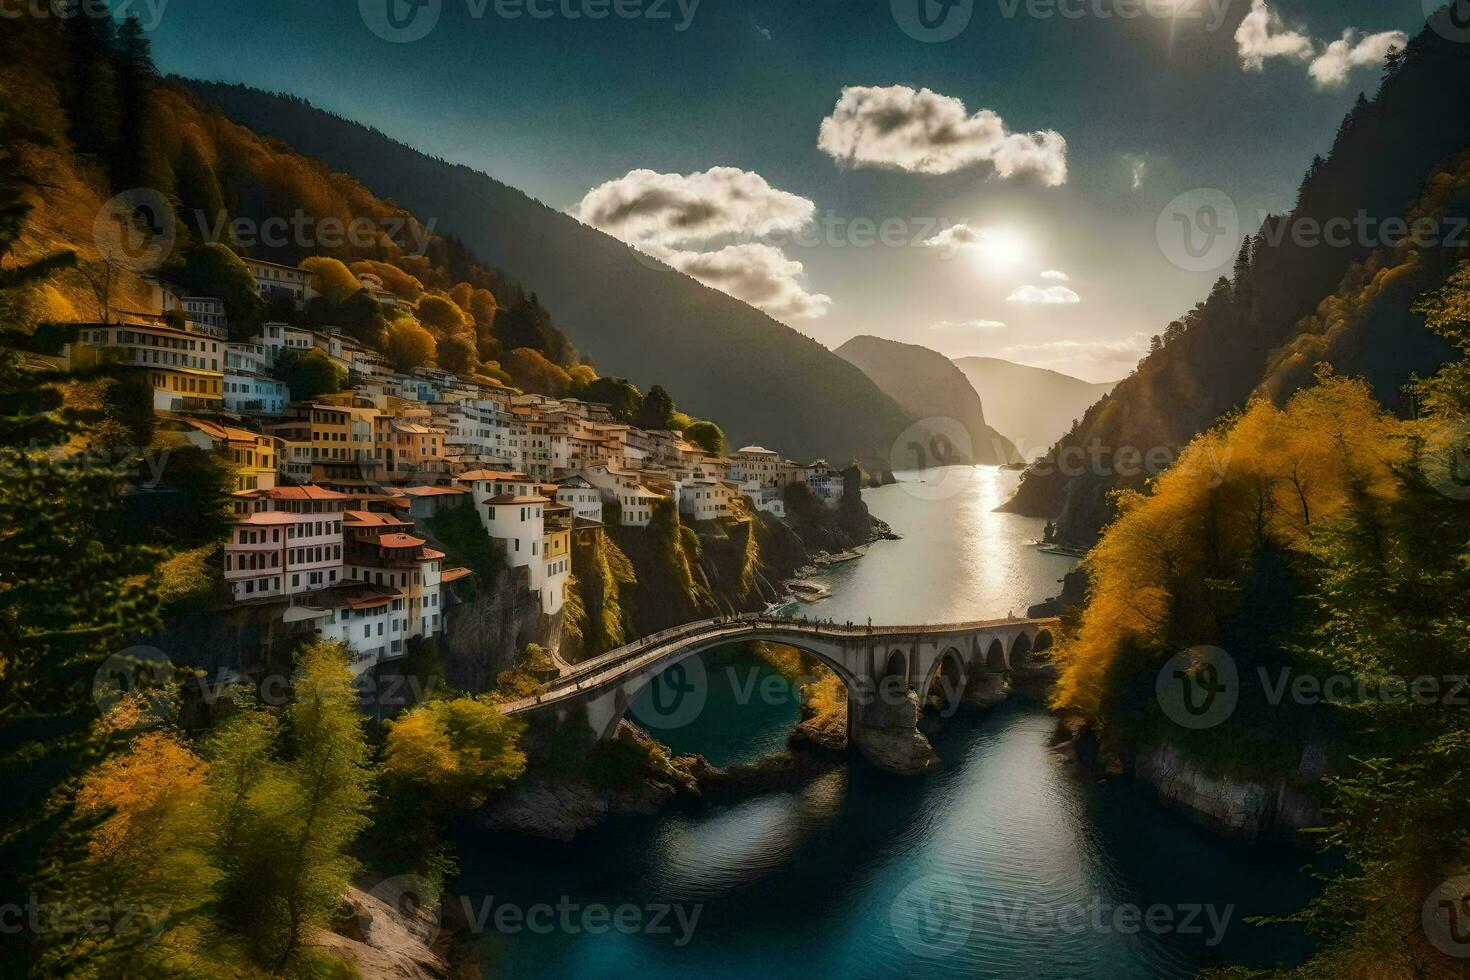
(1264,35)
(968,325)
(956,237)
(1353,50)
(1126,351)
(920,131)
(1049,296)
(681,219)
(758,274)
(1056,275)
(676,209)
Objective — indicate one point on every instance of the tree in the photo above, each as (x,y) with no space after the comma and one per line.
(531,371)
(290,807)
(620,395)
(707,436)
(657,410)
(309,375)
(359,315)
(459,750)
(334,280)
(409,345)
(213,269)
(457,354)
(439,314)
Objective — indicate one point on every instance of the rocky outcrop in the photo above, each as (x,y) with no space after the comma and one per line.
(484,634)
(382,941)
(889,736)
(1236,807)
(985,690)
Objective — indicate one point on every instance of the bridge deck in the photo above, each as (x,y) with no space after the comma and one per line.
(608,667)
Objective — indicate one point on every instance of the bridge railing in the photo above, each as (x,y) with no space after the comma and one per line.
(715,625)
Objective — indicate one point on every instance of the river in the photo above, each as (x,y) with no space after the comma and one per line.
(1002,863)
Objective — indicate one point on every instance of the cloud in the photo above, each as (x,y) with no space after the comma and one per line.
(1126,351)
(920,131)
(758,274)
(968,325)
(676,209)
(688,220)
(956,237)
(1264,35)
(1353,50)
(1050,296)
(1056,275)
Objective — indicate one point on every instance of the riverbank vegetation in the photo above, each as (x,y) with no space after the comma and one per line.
(1333,545)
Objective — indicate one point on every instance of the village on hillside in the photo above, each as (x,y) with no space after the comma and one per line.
(329,490)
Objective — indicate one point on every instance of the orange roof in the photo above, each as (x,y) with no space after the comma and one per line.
(373,518)
(308,492)
(218,431)
(400,541)
(510,498)
(369,601)
(431,491)
(267,517)
(454,574)
(493,475)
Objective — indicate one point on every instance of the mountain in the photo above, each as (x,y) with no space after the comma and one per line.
(1034,407)
(635,317)
(929,387)
(1298,297)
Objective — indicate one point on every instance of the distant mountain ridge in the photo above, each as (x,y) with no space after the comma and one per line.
(762,380)
(1295,299)
(1033,407)
(927,385)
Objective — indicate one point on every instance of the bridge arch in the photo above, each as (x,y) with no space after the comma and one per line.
(629,689)
(897,665)
(1042,642)
(1020,651)
(946,681)
(993,654)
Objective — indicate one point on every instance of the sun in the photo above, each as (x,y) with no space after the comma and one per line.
(1001,250)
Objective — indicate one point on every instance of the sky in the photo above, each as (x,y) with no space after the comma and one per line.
(1048,181)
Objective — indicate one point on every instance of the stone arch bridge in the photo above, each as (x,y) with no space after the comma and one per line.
(889,673)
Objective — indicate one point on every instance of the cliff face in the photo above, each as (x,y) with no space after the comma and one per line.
(1034,407)
(1242,808)
(929,387)
(485,633)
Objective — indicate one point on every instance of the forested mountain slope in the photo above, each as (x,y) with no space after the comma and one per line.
(1261,330)
(927,385)
(635,317)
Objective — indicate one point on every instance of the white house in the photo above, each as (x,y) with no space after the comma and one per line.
(582,497)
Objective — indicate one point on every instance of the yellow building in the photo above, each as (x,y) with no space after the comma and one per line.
(185,366)
(256,456)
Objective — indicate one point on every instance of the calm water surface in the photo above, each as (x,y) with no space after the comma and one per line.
(1000,864)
